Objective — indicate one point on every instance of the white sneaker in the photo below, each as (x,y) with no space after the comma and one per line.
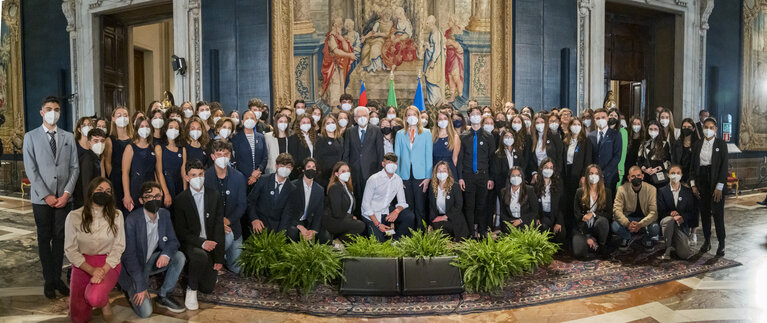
(693,240)
(191,300)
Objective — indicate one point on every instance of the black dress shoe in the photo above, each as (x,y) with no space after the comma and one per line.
(705,247)
(169,303)
(62,288)
(49,290)
(720,252)
(762,202)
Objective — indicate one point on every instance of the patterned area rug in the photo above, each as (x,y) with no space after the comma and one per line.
(564,279)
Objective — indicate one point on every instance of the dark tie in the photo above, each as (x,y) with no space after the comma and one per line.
(601,136)
(278,187)
(53,142)
(362,135)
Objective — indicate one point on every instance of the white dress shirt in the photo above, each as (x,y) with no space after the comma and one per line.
(252,142)
(309,144)
(509,158)
(705,152)
(675,193)
(380,190)
(388,145)
(351,197)
(360,129)
(546,199)
(441,201)
(199,200)
(152,234)
(307,196)
(571,150)
(514,206)
(540,152)
(592,209)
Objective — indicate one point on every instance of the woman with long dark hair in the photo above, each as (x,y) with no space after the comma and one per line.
(94,240)
(338,218)
(302,143)
(519,203)
(593,207)
(548,189)
(138,165)
(330,149)
(578,151)
(655,156)
(681,150)
(636,136)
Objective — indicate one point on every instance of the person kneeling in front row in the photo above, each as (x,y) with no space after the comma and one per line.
(636,211)
(303,214)
(519,205)
(151,248)
(592,208)
(678,212)
(377,212)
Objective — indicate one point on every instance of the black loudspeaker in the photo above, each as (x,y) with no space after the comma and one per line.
(430,276)
(564,78)
(371,277)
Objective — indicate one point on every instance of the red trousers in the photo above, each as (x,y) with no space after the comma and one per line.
(84,295)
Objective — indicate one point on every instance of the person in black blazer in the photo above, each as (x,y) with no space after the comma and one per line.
(90,166)
(578,154)
(548,190)
(678,212)
(708,179)
(546,143)
(139,262)
(519,205)
(249,159)
(608,146)
(446,203)
(202,245)
(337,218)
(363,152)
(302,143)
(655,156)
(511,152)
(681,150)
(267,200)
(593,209)
(702,116)
(330,149)
(302,219)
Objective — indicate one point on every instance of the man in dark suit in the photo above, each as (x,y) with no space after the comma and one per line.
(474,164)
(702,116)
(232,191)
(151,248)
(678,212)
(267,200)
(303,215)
(198,220)
(708,179)
(50,162)
(90,165)
(363,151)
(608,144)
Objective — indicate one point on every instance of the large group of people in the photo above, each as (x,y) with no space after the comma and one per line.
(174,189)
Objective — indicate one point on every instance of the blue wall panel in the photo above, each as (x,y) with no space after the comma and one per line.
(724,52)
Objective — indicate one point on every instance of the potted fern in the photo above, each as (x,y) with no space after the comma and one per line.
(260,251)
(303,264)
(426,264)
(487,263)
(370,267)
(534,243)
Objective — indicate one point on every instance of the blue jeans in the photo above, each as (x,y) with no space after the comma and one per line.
(232,249)
(172,271)
(405,221)
(650,232)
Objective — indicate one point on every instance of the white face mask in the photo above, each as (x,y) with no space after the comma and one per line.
(300,111)
(508,141)
(575,129)
(258,114)
(636,128)
(488,127)
(121,122)
(528,123)
(362,121)
(441,176)
(375,121)
(249,123)
(665,122)
(424,122)
(195,134)
(330,127)
(144,132)
(158,123)
(593,178)
(197,182)
(282,126)
(539,127)
(516,127)
(391,168)
(204,115)
(188,113)
(391,116)
(85,130)
(236,121)
(343,122)
(548,172)
(344,177)
(51,117)
(675,178)
(215,120)
(305,127)
(224,133)
(346,107)
(554,126)
(283,172)
(172,134)
(623,123)
(587,122)
(509,117)
(412,120)
(442,124)
(601,123)
(515,180)
(103,129)
(708,133)
(181,121)
(222,162)
(98,148)
(652,134)
(475,119)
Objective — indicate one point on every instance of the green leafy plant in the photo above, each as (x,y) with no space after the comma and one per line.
(487,263)
(260,251)
(369,246)
(424,244)
(304,264)
(531,241)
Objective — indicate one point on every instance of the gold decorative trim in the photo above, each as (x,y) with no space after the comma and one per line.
(501,52)
(283,78)
(13,104)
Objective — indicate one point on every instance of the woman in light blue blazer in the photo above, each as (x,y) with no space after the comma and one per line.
(413,145)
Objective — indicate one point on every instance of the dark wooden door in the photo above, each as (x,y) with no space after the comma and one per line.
(139,90)
(114,65)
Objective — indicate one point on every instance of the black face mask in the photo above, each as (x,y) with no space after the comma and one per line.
(386,130)
(101,198)
(310,173)
(612,121)
(686,132)
(153,205)
(500,123)
(396,128)
(636,182)
(457,124)
(265,115)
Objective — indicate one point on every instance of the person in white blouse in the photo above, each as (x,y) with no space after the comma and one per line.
(446,203)
(94,240)
(519,203)
(377,212)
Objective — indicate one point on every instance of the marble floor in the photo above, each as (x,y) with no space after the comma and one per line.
(737,294)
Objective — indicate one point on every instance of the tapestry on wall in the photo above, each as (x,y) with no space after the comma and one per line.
(11,104)
(753,135)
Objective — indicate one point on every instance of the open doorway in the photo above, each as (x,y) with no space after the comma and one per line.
(639,59)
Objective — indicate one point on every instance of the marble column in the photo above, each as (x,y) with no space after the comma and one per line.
(480,16)
(302,18)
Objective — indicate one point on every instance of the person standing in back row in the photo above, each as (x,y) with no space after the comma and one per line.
(707,178)
(608,146)
(363,151)
(474,164)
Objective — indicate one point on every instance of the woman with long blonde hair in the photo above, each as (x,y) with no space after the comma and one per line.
(329,149)
(447,144)
(592,210)
(114,148)
(446,203)
(413,145)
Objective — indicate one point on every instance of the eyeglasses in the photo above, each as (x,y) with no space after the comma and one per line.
(152,197)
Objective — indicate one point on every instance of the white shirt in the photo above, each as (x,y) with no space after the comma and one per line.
(252,141)
(546,199)
(307,196)
(152,234)
(509,158)
(380,190)
(199,200)
(279,185)
(514,206)
(675,193)
(571,150)
(441,201)
(388,145)
(592,209)
(540,153)
(309,143)
(351,197)
(48,132)
(705,151)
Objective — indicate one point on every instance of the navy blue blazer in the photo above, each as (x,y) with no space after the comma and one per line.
(244,159)
(686,205)
(607,154)
(236,194)
(295,209)
(132,277)
(265,203)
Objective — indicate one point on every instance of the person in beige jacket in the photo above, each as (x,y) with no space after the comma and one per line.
(635,211)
